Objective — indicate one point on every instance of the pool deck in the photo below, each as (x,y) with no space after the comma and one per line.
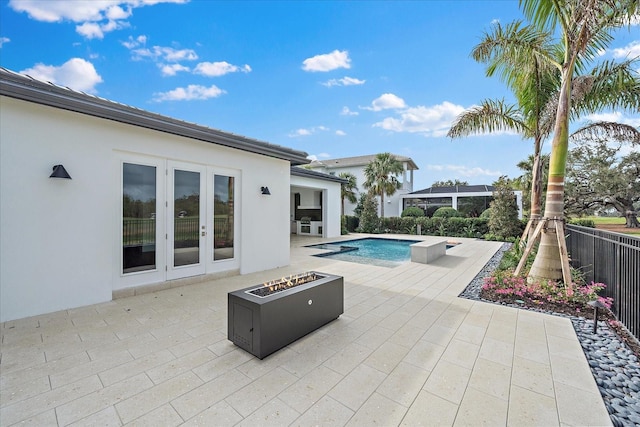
(406,351)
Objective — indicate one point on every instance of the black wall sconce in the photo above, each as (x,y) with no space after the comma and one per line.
(59,172)
(265,191)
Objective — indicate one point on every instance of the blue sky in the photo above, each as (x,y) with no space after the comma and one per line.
(332,78)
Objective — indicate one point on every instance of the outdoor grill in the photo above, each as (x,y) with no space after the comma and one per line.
(305,224)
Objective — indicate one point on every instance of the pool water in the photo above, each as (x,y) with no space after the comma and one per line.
(370,250)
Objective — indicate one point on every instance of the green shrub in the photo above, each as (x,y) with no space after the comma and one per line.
(408,225)
(351,223)
(481,225)
(412,211)
(369,222)
(446,212)
(504,220)
(486,213)
(455,227)
(583,222)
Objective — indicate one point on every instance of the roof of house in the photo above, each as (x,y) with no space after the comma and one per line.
(26,88)
(359,161)
(308,173)
(456,189)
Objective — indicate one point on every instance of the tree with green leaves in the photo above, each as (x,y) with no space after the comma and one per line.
(504,210)
(518,53)
(349,189)
(600,177)
(585,28)
(369,220)
(382,177)
(524,57)
(525,181)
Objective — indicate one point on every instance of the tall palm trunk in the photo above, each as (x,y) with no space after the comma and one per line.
(548,261)
(536,188)
(382,204)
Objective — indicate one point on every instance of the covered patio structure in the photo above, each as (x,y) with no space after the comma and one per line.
(470,200)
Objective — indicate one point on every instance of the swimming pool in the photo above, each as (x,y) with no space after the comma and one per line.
(370,250)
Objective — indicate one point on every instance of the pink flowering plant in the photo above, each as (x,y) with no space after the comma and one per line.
(503,286)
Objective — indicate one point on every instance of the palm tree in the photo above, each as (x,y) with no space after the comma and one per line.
(585,28)
(525,181)
(382,177)
(348,190)
(524,57)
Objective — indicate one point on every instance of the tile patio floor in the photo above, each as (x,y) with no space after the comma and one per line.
(407,351)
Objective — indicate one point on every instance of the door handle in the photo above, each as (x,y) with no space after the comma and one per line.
(204,233)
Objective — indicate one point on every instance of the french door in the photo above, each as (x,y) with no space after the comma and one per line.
(186,205)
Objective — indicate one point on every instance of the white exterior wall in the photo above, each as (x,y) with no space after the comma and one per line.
(60,239)
(392,205)
(330,201)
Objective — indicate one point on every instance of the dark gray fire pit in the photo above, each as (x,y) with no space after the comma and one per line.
(262,319)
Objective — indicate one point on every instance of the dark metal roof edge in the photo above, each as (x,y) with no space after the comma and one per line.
(307,173)
(22,87)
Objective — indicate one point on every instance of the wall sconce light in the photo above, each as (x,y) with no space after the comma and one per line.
(265,191)
(59,172)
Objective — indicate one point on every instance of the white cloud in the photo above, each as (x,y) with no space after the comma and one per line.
(616,116)
(76,74)
(307,131)
(172,69)
(95,17)
(345,81)
(216,69)
(433,121)
(300,132)
(462,170)
(164,53)
(341,133)
(385,102)
(4,40)
(190,93)
(347,112)
(495,21)
(328,61)
(132,43)
(632,50)
(94,30)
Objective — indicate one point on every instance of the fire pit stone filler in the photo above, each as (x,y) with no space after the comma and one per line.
(263,319)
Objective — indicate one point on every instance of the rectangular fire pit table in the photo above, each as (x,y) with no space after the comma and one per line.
(265,318)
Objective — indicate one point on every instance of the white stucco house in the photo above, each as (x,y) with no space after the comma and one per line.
(356,165)
(138,201)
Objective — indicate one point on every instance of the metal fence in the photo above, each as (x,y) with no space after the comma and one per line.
(612,259)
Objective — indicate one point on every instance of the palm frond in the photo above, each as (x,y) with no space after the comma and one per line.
(615,85)
(514,51)
(607,130)
(489,116)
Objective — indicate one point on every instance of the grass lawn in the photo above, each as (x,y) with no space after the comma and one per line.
(616,224)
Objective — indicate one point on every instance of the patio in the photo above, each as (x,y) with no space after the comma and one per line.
(406,351)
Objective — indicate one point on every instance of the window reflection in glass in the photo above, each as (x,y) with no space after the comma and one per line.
(138,218)
(223,235)
(186,218)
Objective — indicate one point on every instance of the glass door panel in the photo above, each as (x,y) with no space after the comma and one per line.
(138,218)
(223,217)
(186,218)
(186,229)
